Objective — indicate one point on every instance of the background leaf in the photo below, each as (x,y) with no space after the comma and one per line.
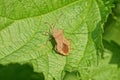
(111,37)
(111,42)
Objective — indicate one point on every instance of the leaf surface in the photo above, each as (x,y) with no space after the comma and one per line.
(22,39)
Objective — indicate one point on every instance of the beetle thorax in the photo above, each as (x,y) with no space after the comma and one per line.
(57,33)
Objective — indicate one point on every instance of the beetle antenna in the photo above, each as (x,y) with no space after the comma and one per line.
(53,25)
(57,19)
(50,25)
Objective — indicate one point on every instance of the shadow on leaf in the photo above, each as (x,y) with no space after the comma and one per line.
(19,72)
(115,49)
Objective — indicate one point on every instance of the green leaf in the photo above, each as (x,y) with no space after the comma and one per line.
(112,26)
(111,42)
(22,39)
(71,76)
(105,70)
(111,38)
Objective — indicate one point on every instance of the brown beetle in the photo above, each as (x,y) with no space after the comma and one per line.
(62,44)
